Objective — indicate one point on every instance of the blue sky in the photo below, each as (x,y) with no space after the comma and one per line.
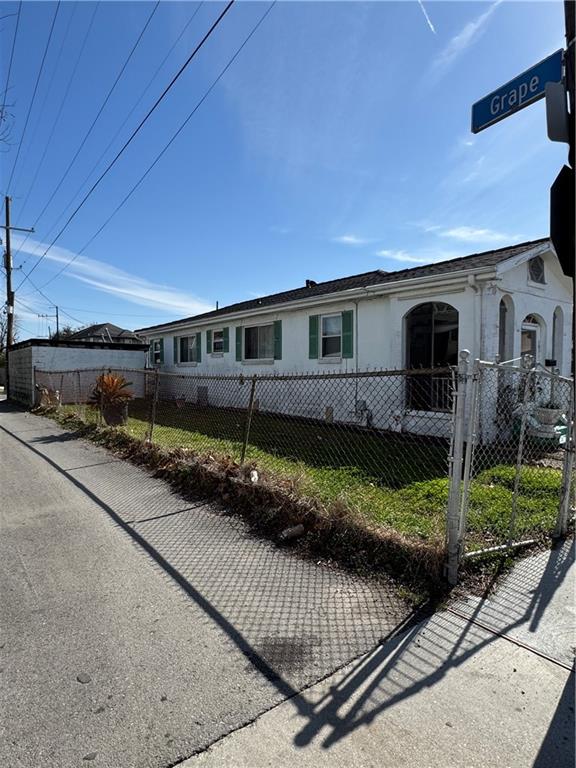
(337,142)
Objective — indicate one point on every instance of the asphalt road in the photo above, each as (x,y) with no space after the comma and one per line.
(138,628)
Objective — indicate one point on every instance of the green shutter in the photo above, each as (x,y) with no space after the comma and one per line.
(176,340)
(226,338)
(348,333)
(161,351)
(313,337)
(239,343)
(208,342)
(198,347)
(277,339)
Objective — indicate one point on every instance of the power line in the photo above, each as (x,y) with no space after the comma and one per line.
(128,116)
(38,77)
(56,121)
(166,146)
(6,87)
(97,117)
(52,78)
(132,136)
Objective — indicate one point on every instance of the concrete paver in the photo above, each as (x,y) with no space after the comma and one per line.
(186,626)
(446,694)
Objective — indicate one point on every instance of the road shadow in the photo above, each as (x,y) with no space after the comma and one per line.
(425,654)
(296,623)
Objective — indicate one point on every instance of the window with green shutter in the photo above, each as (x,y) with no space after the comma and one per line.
(331,336)
(348,333)
(157,351)
(209,342)
(226,339)
(238,343)
(187,349)
(313,337)
(277,339)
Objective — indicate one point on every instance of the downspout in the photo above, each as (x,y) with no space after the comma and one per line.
(356,351)
(478,314)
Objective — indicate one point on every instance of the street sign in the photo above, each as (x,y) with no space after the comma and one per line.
(518,93)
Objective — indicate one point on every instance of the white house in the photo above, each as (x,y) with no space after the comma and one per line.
(501,302)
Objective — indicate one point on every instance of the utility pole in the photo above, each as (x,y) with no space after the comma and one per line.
(9,292)
(56,315)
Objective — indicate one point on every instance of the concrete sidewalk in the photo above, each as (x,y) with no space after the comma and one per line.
(450,693)
(137,628)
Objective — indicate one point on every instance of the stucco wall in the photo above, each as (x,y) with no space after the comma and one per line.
(378,332)
(21,375)
(70,358)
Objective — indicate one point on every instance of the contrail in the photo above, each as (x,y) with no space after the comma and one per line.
(432,28)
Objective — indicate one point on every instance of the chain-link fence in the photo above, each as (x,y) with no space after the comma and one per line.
(375,444)
(480,457)
(518,463)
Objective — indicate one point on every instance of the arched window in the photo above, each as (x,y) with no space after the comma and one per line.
(536,270)
(557,336)
(531,337)
(431,342)
(506,329)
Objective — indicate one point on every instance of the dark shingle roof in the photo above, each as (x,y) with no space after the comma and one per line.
(363,280)
(103,330)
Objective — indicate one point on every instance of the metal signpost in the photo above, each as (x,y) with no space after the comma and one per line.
(518,93)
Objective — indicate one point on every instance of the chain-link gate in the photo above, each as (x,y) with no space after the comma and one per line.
(519,452)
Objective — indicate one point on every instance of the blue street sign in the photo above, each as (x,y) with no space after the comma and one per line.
(523,90)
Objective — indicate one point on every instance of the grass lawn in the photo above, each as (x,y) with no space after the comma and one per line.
(396,481)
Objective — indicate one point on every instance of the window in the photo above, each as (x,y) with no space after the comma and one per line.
(506,330)
(157,351)
(188,349)
(331,335)
(431,342)
(536,270)
(218,341)
(259,342)
(530,337)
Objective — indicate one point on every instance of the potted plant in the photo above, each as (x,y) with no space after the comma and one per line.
(549,413)
(111,395)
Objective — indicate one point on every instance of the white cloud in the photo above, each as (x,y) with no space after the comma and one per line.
(469,34)
(421,257)
(477,235)
(350,240)
(428,21)
(116,282)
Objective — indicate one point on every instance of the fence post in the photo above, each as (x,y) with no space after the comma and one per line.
(471,438)
(519,456)
(561,527)
(248,420)
(152,420)
(455,471)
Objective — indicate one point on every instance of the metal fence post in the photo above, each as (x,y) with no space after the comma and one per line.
(519,457)
(248,420)
(561,527)
(471,439)
(455,471)
(152,419)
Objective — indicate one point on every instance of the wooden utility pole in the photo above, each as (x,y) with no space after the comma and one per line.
(9,292)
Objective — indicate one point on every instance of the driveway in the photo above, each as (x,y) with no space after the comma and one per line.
(139,628)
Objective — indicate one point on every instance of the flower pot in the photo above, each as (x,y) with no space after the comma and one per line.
(115,415)
(548,415)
